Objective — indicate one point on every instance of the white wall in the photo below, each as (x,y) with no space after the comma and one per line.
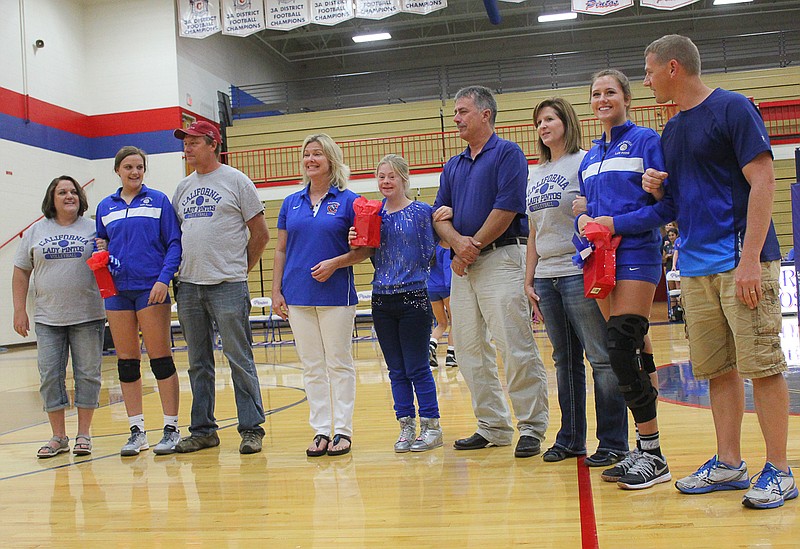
(130,55)
(216,62)
(56,73)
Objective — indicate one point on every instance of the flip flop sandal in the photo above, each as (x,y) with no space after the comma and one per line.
(54,446)
(82,446)
(336,440)
(319,451)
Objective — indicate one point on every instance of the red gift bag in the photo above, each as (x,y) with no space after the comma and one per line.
(600,269)
(367,222)
(98,263)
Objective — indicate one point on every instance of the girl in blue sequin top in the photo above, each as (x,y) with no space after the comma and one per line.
(400,307)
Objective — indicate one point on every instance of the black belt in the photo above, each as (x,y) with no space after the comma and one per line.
(520,240)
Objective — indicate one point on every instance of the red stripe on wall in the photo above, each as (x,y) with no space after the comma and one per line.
(12,103)
(100,125)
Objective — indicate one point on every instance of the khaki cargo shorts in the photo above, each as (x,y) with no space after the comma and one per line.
(724,334)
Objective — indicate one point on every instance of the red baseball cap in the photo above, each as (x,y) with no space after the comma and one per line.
(199,129)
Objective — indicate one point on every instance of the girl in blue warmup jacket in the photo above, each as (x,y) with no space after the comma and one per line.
(139,228)
(610,178)
(400,308)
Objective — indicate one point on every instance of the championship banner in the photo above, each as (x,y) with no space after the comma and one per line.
(198,18)
(665,4)
(600,7)
(423,7)
(331,12)
(287,14)
(242,17)
(377,9)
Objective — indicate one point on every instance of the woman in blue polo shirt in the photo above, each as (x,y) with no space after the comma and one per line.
(610,178)
(313,288)
(140,229)
(400,307)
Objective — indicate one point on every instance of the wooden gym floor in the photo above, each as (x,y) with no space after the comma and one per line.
(372,497)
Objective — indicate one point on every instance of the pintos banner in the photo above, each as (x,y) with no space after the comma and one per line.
(666,4)
(600,7)
(242,17)
(198,18)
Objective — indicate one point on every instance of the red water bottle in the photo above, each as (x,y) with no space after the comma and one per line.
(98,263)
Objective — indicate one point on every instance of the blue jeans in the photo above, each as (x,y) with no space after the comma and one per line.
(55,344)
(226,306)
(574,324)
(403,326)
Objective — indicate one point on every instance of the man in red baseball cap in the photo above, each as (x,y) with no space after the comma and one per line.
(200,129)
(223,236)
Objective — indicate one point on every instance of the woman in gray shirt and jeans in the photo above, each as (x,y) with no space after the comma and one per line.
(69,317)
(554,287)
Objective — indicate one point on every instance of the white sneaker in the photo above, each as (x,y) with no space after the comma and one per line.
(713,476)
(771,489)
(136,443)
(168,441)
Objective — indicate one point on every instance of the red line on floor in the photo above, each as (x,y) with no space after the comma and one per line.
(588,522)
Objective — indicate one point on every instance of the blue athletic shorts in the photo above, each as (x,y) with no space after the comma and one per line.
(130,300)
(437,296)
(647,273)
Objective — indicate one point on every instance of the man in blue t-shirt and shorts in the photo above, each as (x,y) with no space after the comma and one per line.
(483,191)
(719,162)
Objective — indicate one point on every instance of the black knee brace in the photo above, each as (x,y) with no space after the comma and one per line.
(129,369)
(648,362)
(625,343)
(162,367)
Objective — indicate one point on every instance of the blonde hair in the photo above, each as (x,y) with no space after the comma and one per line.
(340,172)
(399,166)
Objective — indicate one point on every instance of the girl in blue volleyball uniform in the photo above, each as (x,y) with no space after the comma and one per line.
(610,177)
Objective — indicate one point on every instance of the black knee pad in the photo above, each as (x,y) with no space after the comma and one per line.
(129,369)
(625,343)
(162,367)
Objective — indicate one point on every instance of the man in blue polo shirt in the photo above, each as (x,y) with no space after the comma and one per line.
(719,161)
(483,189)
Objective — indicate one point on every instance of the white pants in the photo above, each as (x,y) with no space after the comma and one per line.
(489,302)
(323,338)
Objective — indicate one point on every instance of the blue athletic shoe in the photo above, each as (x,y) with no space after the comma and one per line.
(772,488)
(713,476)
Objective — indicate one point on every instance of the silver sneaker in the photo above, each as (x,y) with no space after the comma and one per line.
(771,489)
(408,430)
(167,444)
(430,435)
(136,443)
(713,476)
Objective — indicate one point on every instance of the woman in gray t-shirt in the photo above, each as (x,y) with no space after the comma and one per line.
(69,315)
(555,289)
